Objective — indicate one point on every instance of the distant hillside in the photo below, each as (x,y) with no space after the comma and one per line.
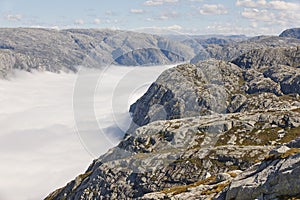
(65,50)
(230,50)
(53,50)
(293,33)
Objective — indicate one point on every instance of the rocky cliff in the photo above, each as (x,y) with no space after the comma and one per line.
(215,129)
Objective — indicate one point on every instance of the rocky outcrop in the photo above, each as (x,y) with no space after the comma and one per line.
(214,86)
(276,177)
(171,153)
(292,33)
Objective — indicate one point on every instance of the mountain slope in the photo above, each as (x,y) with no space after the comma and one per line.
(194,122)
(232,50)
(292,33)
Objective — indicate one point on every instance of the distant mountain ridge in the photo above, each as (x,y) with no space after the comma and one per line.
(64,50)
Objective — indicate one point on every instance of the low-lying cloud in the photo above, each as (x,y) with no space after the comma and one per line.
(42,147)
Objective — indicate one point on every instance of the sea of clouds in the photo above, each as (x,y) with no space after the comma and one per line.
(54,125)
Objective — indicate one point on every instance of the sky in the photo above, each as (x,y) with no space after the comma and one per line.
(249,17)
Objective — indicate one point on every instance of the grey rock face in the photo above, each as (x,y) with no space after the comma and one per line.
(271,179)
(214,86)
(186,91)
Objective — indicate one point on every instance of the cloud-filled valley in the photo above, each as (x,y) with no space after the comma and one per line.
(40,139)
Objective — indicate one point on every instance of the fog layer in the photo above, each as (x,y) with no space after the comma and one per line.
(47,139)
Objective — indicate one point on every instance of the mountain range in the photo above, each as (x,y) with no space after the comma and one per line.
(224,125)
(66,50)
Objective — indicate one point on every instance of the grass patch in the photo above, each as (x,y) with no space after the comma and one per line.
(284,155)
(296,110)
(184,188)
(83,176)
(291,134)
(216,189)
(290,152)
(232,174)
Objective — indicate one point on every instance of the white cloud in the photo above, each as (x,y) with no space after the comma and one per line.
(169,15)
(213,9)
(251,3)
(16,17)
(282,5)
(288,19)
(137,11)
(236,29)
(97,21)
(277,5)
(169,1)
(79,22)
(37,130)
(175,27)
(153,3)
(274,14)
(259,15)
(158,2)
(254,24)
